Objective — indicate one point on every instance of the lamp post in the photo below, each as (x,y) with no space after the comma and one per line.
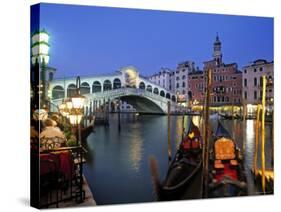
(77,104)
(75,117)
(73,109)
(40,56)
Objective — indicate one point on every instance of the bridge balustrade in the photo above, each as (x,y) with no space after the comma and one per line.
(109,94)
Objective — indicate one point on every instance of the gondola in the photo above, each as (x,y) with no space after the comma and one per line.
(227,174)
(229,117)
(186,163)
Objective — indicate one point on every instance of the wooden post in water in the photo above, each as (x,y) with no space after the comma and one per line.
(169,133)
(206,137)
(183,128)
(263,133)
(232,118)
(244,128)
(256,141)
(272,138)
(119,110)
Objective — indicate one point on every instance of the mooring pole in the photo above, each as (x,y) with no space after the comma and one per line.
(244,128)
(272,137)
(183,128)
(206,137)
(169,133)
(263,133)
(233,126)
(256,141)
(119,110)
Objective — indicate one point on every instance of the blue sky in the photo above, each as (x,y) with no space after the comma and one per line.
(88,40)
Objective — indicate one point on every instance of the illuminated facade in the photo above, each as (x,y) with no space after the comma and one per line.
(226,81)
(164,78)
(252,83)
(196,87)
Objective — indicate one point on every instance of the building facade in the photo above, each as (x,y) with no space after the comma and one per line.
(252,81)
(226,81)
(181,79)
(175,81)
(196,87)
(163,78)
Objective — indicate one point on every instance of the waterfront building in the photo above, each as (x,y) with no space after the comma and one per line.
(226,88)
(181,79)
(175,81)
(196,87)
(252,83)
(163,78)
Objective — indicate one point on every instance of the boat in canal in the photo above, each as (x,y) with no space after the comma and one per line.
(227,174)
(186,163)
(227,116)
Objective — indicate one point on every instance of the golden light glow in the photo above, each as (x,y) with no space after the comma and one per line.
(41,36)
(75,118)
(69,105)
(40,47)
(78,102)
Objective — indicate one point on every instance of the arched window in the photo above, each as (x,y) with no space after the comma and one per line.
(107,85)
(168,96)
(162,93)
(84,88)
(173,98)
(71,90)
(96,87)
(116,83)
(142,85)
(149,88)
(156,91)
(58,92)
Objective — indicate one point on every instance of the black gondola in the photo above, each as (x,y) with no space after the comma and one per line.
(229,117)
(227,173)
(186,163)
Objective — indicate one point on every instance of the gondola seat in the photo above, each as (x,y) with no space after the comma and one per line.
(233,162)
(224,149)
(218,164)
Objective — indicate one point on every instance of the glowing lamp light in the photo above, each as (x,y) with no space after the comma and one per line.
(69,104)
(40,47)
(40,36)
(62,108)
(78,101)
(75,117)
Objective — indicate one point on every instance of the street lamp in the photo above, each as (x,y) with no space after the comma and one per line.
(78,100)
(75,117)
(40,47)
(69,104)
(40,56)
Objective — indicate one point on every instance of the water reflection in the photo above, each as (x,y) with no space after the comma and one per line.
(136,148)
(118,166)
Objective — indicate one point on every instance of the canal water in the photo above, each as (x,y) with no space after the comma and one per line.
(117,167)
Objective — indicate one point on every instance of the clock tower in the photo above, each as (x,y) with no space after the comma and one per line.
(217,55)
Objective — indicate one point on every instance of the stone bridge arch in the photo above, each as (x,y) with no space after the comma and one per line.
(143,104)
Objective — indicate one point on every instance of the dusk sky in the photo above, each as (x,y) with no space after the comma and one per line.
(88,40)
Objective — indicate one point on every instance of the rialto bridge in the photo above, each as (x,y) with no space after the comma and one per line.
(126,85)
